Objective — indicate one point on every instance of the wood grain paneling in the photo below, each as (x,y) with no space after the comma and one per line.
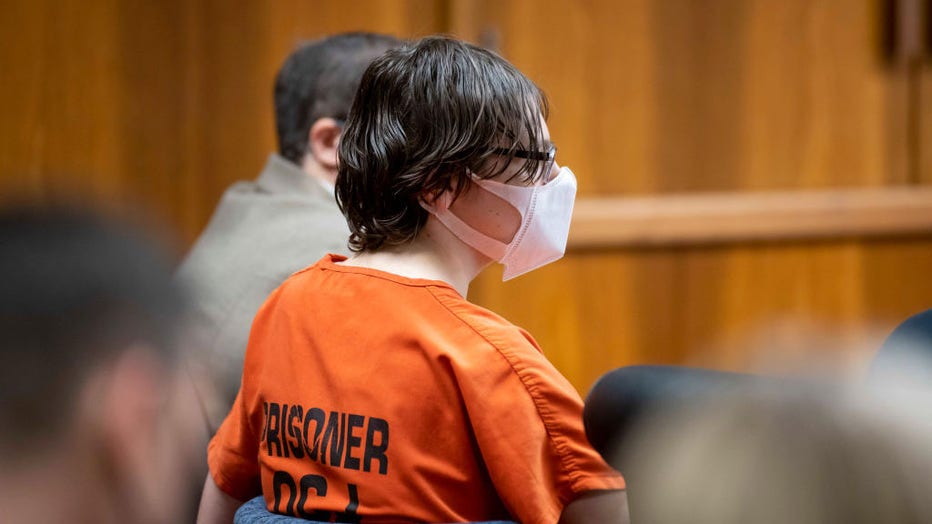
(678,97)
(60,125)
(157,105)
(688,95)
(767,307)
(923,116)
(235,54)
(164,104)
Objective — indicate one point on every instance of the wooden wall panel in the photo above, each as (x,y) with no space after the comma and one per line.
(923,117)
(685,96)
(158,105)
(164,104)
(151,90)
(56,91)
(771,307)
(236,54)
(694,95)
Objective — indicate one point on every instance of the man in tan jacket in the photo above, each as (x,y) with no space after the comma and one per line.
(264,230)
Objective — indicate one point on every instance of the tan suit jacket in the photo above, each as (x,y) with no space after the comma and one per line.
(261,232)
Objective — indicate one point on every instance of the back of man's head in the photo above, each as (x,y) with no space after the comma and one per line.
(74,292)
(319,80)
(89,318)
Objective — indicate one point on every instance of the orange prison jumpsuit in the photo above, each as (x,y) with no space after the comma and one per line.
(374,397)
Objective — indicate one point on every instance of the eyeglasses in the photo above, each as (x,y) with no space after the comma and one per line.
(541,156)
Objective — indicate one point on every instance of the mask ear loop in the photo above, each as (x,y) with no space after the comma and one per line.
(486,245)
(522,198)
(440,208)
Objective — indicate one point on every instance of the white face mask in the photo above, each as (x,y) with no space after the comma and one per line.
(545,223)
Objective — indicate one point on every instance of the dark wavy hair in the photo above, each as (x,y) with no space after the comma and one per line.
(425,116)
(77,290)
(319,79)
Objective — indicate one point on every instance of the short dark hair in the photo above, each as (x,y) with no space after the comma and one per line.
(75,290)
(319,80)
(426,115)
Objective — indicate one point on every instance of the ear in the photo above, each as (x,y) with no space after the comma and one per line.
(148,449)
(132,393)
(323,141)
(120,411)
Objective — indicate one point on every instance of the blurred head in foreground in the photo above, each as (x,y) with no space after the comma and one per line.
(806,456)
(96,416)
(905,358)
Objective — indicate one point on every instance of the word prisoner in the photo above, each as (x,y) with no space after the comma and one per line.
(344,440)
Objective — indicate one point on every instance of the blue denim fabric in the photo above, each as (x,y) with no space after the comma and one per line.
(254,512)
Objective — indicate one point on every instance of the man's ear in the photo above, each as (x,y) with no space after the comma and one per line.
(150,430)
(133,392)
(323,141)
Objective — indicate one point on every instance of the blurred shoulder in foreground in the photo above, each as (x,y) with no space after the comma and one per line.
(803,455)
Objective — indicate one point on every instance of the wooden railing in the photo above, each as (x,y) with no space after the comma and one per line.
(711,218)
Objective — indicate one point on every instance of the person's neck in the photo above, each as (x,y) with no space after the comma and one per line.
(436,254)
(318,172)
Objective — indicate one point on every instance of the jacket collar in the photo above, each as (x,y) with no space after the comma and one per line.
(282,176)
